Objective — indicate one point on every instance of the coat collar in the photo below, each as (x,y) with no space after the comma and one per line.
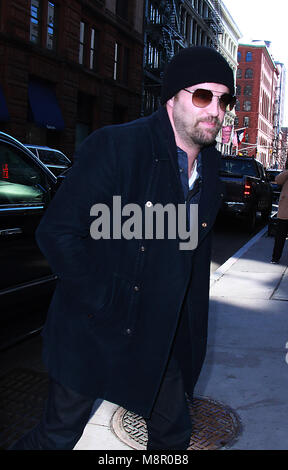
(162,130)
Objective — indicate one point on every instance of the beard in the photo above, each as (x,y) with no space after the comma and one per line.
(195,134)
(206,136)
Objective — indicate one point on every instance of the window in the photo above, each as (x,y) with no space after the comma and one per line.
(93,60)
(247,106)
(121,63)
(153,56)
(239,73)
(183,20)
(35,22)
(88,46)
(43,23)
(246,121)
(239,56)
(248,90)
(237,105)
(154,14)
(82,42)
(51,26)
(249,57)
(116,61)
(249,73)
(21,181)
(238,90)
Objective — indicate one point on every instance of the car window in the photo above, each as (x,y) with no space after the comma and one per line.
(238,167)
(21,181)
(52,157)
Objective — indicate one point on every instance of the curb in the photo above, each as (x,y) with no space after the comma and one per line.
(227,265)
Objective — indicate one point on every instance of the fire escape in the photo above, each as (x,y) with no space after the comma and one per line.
(214,23)
(171,29)
(162,39)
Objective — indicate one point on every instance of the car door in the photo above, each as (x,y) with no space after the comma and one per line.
(26,281)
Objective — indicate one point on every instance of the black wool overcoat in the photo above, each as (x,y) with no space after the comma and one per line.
(114,316)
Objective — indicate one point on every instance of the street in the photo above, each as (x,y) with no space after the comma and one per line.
(23,379)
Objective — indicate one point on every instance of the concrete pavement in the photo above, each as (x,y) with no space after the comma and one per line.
(246,366)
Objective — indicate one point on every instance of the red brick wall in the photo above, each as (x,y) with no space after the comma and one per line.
(20,59)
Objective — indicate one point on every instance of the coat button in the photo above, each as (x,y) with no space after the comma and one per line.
(204,224)
(136,288)
(128,331)
(142,248)
(148,204)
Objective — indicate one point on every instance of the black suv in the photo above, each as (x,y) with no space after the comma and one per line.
(26,282)
(276,189)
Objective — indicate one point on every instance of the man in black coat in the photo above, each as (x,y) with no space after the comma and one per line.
(128,320)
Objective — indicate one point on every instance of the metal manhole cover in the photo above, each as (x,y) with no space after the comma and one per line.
(214,426)
(22,394)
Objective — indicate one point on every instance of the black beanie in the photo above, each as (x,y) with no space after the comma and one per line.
(195,65)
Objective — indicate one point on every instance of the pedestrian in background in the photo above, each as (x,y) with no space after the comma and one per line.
(282,216)
(128,320)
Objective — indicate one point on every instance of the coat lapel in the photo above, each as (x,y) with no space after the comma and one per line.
(169,152)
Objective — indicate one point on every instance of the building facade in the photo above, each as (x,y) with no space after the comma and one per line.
(257,81)
(279,140)
(228,47)
(69,67)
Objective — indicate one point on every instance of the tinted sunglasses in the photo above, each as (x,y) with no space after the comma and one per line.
(202,98)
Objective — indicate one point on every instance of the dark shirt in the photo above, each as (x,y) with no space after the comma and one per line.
(191,194)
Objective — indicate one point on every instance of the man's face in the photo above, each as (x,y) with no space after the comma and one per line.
(194,125)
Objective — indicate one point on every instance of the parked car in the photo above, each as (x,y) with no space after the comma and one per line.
(247,189)
(26,281)
(55,160)
(276,189)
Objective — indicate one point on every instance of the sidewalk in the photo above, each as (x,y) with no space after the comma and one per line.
(245,367)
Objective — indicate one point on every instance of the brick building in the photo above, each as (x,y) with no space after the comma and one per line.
(257,78)
(68,67)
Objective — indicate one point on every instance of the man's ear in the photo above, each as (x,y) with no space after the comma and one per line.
(170,102)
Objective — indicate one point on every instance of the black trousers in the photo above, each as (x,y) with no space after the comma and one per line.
(280,237)
(67,413)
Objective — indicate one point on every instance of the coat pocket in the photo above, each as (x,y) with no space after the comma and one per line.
(115,305)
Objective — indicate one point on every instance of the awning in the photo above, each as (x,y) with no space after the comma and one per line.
(4,115)
(44,105)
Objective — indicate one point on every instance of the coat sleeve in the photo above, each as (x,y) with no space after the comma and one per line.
(63,231)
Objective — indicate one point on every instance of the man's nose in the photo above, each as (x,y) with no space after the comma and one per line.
(214,106)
